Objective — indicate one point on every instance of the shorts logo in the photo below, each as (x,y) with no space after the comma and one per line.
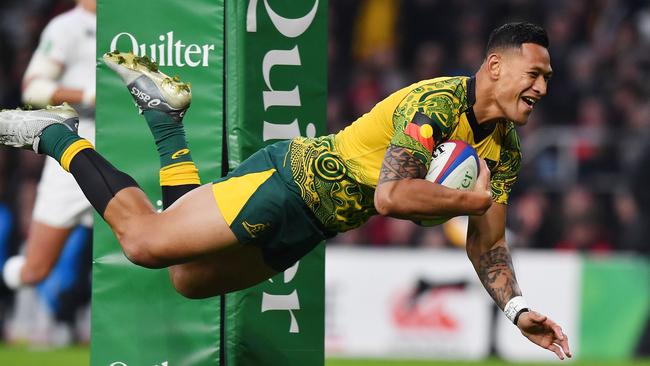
(180,153)
(254,229)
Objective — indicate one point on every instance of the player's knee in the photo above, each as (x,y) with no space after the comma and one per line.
(138,250)
(189,290)
(187,285)
(140,243)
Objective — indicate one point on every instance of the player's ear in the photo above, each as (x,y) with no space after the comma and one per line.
(494,62)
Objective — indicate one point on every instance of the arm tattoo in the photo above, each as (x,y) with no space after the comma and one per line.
(498,275)
(400,163)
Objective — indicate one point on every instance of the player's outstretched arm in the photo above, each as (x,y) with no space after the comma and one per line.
(488,251)
(403,193)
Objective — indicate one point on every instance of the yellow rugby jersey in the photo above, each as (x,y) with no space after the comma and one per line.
(337,174)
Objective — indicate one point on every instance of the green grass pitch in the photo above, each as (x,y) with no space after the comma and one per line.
(80,356)
(34,356)
(489,362)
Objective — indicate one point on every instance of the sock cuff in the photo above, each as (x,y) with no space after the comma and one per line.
(72,150)
(179,174)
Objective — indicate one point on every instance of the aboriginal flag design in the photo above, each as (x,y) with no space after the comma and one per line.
(424,130)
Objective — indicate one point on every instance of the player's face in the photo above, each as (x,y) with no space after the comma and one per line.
(523,79)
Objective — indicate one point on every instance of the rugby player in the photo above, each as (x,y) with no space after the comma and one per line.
(62,69)
(284,199)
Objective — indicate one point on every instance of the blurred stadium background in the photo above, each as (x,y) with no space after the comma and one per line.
(582,189)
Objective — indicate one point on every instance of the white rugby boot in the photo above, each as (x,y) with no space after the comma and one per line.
(149,87)
(23,128)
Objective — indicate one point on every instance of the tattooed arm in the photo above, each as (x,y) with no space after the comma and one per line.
(401,192)
(488,251)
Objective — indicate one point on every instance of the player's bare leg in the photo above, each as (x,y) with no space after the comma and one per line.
(239,267)
(187,231)
(191,236)
(221,271)
(43,247)
(42,250)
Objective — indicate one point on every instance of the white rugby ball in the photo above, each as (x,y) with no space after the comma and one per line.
(454,165)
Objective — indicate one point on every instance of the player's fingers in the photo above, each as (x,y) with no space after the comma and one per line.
(558,332)
(483,180)
(557,350)
(485,168)
(564,343)
(483,164)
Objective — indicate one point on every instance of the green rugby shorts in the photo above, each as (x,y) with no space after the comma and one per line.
(262,205)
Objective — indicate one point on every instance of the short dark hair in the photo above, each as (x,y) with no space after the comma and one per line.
(513,35)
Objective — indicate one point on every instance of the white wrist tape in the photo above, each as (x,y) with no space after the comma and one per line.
(513,307)
(11,271)
(40,80)
(42,67)
(39,92)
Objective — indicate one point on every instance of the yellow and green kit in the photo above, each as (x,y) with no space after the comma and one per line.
(293,194)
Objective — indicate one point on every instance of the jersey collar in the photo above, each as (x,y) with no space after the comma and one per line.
(480,131)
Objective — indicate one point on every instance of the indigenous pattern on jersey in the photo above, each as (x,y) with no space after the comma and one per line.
(338,201)
(338,174)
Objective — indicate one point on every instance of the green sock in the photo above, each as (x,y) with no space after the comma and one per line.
(169,137)
(55,139)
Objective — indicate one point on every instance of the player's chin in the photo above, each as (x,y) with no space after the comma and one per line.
(521,118)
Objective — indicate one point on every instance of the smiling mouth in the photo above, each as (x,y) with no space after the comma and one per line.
(530,101)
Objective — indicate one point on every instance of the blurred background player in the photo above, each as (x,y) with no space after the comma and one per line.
(61,69)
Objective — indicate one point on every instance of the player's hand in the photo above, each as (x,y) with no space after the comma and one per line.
(482,192)
(483,180)
(545,333)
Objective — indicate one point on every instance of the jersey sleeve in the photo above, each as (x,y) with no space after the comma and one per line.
(424,119)
(507,170)
(54,42)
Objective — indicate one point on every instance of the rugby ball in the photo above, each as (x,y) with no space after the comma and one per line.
(454,164)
